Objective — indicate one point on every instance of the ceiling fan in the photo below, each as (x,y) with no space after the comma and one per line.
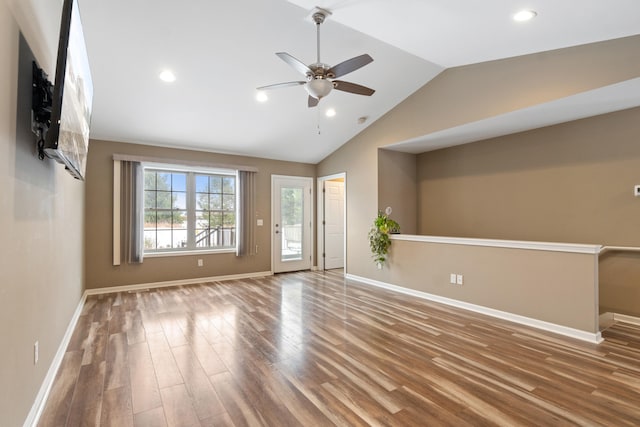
(320,77)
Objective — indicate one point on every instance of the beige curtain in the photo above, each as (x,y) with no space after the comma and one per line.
(132,211)
(246,213)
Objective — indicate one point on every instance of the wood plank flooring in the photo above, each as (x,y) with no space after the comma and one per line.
(314,349)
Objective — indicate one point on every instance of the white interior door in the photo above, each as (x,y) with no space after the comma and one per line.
(333,224)
(291,223)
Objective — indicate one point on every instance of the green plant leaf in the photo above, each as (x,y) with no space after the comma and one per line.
(379,240)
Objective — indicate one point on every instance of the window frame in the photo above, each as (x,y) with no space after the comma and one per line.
(191,208)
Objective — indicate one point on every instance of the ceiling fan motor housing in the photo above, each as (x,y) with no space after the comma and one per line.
(321,71)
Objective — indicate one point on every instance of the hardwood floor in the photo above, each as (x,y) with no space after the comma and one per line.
(314,349)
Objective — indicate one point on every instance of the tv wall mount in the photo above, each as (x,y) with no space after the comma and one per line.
(41,104)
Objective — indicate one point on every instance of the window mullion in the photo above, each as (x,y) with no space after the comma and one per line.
(191,210)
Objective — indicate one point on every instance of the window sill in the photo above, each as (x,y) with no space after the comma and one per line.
(187,253)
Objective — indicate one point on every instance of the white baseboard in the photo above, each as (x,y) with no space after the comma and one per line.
(608,319)
(605,320)
(47,383)
(126,288)
(626,319)
(515,318)
(41,398)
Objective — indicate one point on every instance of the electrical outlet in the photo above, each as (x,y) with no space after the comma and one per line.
(200,262)
(452,278)
(636,191)
(36,352)
(459,279)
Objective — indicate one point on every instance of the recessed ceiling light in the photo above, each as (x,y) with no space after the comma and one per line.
(167,76)
(524,15)
(262,96)
(330,112)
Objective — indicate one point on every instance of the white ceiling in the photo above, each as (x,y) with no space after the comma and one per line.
(221,51)
(460,32)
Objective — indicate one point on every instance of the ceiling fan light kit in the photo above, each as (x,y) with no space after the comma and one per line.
(319,77)
(318,88)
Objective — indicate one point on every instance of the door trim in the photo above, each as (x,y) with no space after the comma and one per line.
(311,218)
(320,216)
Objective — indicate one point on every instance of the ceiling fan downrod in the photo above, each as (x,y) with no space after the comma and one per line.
(318,18)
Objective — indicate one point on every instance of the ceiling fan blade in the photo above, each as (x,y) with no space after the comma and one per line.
(312,102)
(352,88)
(295,63)
(350,65)
(279,85)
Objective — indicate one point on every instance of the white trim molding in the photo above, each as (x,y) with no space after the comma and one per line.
(139,286)
(606,249)
(605,320)
(188,163)
(595,338)
(41,399)
(43,394)
(633,320)
(320,211)
(511,244)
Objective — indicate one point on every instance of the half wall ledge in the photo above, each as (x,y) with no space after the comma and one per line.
(550,286)
(495,243)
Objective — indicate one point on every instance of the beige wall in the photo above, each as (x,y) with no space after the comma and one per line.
(41,256)
(567,183)
(99,208)
(397,188)
(462,95)
(620,283)
(470,93)
(530,283)
(359,160)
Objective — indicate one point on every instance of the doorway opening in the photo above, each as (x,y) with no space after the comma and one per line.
(332,216)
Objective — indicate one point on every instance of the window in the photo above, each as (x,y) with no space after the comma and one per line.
(186,210)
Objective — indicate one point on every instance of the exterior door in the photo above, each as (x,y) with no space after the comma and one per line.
(333,224)
(291,223)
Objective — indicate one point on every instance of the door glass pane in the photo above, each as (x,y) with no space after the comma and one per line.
(291,218)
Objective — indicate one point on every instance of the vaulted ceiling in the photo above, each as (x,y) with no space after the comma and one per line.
(221,51)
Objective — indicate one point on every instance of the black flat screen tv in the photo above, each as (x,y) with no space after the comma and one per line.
(67,140)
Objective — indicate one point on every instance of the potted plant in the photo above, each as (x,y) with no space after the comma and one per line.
(379,240)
